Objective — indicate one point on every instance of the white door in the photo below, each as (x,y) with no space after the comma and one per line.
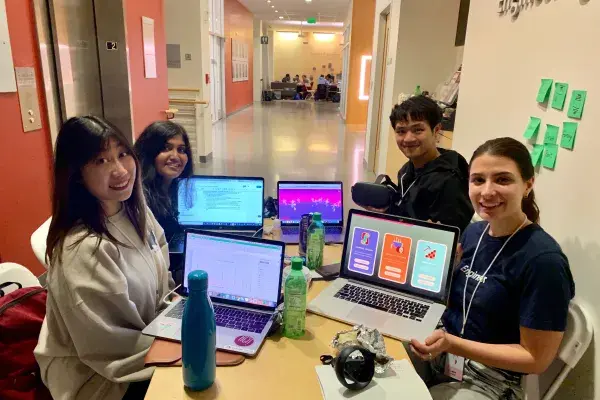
(217,87)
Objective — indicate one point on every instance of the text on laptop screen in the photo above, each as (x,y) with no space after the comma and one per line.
(238,270)
(296,199)
(399,255)
(205,201)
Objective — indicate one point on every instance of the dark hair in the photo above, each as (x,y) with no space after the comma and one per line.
(149,145)
(418,108)
(517,152)
(79,141)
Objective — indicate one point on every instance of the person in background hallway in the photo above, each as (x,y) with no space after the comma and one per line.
(434,182)
(323,81)
(297,79)
(305,80)
(286,78)
(509,300)
(165,155)
(108,270)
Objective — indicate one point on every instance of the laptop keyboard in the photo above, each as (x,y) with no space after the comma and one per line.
(228,317)
(384,302)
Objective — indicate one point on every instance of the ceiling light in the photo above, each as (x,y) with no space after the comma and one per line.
(308,1)
(268,1)
(280,17)
(272,6)
(276,11)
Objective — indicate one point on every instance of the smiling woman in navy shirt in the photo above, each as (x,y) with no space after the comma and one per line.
(511,290)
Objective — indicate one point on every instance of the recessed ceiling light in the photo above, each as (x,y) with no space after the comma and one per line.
(272,6)
(276,11)
(268,1)
(308,1)
(280,17)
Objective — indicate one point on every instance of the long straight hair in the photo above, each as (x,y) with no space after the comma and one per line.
(148,146)
(517,152)
(79,141)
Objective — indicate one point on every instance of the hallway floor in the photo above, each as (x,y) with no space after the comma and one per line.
(287,140)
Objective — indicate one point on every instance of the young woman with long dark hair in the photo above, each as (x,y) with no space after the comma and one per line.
(166,157)
(507,310)
(108,269)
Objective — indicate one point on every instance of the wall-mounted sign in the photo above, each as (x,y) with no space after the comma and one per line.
(264,40)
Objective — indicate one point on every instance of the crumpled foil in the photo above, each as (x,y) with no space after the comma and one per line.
(368,338)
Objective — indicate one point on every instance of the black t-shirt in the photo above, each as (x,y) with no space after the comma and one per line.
(530,285)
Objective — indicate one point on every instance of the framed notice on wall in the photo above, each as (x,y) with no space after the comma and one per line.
(239,60)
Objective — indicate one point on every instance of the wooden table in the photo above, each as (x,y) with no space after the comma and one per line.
(284,368)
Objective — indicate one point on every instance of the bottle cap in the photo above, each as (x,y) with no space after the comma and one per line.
(296,263)
(316,216)
(198,280)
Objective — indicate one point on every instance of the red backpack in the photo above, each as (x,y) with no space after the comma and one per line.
(21,315)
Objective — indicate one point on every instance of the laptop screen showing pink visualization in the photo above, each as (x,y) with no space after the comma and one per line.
(296,199)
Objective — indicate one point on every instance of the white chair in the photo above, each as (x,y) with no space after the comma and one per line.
(12,272)
(576,340)
(38,242)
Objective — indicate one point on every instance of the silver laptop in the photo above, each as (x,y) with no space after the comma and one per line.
(244,284)
(219,203)
(296,198)
(395,275)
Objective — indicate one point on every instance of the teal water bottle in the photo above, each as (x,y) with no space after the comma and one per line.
(294,301)
(198,335)
(315,242)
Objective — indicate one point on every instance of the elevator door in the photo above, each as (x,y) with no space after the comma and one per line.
(76,53)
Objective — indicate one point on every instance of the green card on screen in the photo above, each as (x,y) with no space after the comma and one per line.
(551,134)
(577,103)
(550,153)
(532,128)
(544,90)
(560,95)
(567,140)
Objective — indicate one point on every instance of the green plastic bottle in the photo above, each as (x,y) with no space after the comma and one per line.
(315,242)
(418,90)
(294,301)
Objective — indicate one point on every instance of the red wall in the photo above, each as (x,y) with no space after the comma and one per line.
(26,159)
(149,97)
(238,25)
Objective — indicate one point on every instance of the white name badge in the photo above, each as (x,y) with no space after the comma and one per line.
(454,367)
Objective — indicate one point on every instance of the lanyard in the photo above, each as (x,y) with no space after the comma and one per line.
(467,310)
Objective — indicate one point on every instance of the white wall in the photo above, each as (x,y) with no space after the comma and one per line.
(422,52)
(502,66)
(258,59)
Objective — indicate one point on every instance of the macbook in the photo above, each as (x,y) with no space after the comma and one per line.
(303,197)
(395,275)
(244,284)
(219,203)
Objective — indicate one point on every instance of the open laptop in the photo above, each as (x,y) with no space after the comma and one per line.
(395,275)
(219,203)
(244,284)
(296,198)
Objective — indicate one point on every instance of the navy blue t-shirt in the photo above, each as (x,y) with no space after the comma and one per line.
(529,285)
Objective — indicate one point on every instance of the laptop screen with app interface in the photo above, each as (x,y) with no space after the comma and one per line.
(298,198)
(400,253)
(209,202)
(243,270)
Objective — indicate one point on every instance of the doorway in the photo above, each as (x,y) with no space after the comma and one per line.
(217,82)
(385,22)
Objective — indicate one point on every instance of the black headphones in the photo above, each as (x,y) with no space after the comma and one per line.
(355,374)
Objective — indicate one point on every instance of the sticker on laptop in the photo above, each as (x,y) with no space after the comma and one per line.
(244,341)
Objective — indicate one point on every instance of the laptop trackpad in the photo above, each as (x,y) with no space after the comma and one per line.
(368,317)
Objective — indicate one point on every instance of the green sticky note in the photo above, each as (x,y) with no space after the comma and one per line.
(567,140)
(536,154)
(577,103)
(551,134)
(560,95)
(532,128)
(544,90)
(550,153)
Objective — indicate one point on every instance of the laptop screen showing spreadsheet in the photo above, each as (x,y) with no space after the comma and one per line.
(240,270)
(298,198)
(218,202)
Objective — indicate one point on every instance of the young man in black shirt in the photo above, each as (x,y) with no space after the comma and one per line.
(433,184)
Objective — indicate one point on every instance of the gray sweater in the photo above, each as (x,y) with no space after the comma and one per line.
(99,301)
